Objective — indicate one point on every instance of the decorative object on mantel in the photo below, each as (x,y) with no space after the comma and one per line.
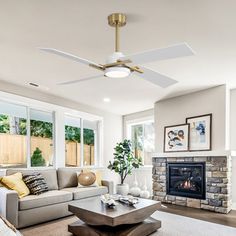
(145,193)
(135,190)
(200,132)
(123,164)
(108,200)
(176,138)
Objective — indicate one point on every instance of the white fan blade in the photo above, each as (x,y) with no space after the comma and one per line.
(69,56)
(179,50)
(155,77)
(80,80)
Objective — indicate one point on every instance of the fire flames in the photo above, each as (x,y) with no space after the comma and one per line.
(187,184)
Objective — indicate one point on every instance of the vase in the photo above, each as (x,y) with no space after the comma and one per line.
(122,189)
(135,190)
(145,193)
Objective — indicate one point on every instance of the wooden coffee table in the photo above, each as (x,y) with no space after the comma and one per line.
(95,219)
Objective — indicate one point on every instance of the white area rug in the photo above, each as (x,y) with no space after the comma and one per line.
(175,225)
(172,225)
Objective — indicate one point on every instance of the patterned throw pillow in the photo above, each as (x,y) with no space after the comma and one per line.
(36,183)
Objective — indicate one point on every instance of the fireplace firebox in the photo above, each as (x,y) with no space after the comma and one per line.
(186,179)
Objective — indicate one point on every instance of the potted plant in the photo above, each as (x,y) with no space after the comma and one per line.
(123,164)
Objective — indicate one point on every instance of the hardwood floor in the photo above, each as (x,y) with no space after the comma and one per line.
(224,219)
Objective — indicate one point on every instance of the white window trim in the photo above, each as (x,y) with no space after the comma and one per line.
(97,145)
(138,121)
(58,126)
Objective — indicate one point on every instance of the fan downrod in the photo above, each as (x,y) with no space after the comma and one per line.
(117,20)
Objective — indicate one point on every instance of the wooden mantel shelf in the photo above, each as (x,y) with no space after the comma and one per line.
(196,154)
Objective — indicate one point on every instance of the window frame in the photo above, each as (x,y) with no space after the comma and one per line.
(97,142)
(58,113)
(29,137)
(139,121)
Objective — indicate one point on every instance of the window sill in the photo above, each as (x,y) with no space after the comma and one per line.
(145,167)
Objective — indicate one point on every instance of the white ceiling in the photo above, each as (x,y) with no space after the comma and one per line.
(80,27)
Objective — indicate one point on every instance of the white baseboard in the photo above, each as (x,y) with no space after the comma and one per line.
(234,206)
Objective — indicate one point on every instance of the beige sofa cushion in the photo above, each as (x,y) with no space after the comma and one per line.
(50,176)
(44,199)
(84,192)
(67,177)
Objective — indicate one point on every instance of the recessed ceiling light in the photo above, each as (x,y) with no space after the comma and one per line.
(106,99)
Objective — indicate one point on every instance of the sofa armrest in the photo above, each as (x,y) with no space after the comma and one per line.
(9,205)
(109,185)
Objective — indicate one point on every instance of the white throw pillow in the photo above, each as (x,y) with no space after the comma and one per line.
(6,229)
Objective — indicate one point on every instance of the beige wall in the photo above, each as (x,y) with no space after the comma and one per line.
(219,101)
(174,111)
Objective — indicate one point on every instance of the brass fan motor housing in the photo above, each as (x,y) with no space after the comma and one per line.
(117,19)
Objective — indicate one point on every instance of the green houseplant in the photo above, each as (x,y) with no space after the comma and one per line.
(123,164)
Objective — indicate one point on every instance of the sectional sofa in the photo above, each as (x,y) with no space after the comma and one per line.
(63,190)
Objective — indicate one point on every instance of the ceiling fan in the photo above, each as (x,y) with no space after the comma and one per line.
(119,66)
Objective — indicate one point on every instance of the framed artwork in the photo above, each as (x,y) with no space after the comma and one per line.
(176,138)
(200,132)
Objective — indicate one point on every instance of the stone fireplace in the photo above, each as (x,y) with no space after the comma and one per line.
(199,182)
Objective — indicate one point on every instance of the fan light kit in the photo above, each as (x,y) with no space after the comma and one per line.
(117,72)
(119,66)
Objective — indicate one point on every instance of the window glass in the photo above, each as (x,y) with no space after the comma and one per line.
(41,138)
(73,141)
(142,138)
(148,142)
(90,138)
(13,135)
(27,138)
(137,140)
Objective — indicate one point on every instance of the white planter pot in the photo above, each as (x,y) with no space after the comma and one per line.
(122,189)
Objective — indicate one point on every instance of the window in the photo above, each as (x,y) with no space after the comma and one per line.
(13,135)
(72,141)
(142,137)
(31,132)
(26,136)
(41,138)
(80,151)
(90,138)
